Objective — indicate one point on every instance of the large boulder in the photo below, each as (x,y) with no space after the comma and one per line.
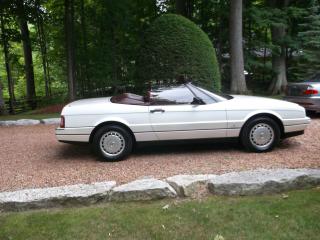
(8,123)
(20,122)
(263,181)
(26,122)
(190,185)
(48,121)
(55,196)
(143,189)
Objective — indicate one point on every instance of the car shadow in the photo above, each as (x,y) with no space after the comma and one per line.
(185,147)
(83,151)
(314,115)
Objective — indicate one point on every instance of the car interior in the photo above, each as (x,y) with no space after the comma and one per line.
(178,95)
(134,99)
(129,98)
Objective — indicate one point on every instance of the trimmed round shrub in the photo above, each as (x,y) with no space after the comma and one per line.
(173,46)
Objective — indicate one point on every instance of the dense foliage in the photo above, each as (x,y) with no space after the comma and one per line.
(174,46)
(100,40)
(310,40)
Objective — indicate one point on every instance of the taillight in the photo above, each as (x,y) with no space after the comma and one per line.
(310,91)
(62,122)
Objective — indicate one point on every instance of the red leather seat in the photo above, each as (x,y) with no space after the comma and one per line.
(130,99)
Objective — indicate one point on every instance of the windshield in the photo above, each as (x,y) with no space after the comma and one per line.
(213,94)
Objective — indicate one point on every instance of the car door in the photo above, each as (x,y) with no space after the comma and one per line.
(175,115)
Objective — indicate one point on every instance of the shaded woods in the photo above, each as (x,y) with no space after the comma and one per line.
(59,50)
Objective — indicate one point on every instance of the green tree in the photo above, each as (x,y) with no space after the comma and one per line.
(4,41)
(310,39)
(279,34)
(27,49)
(184,7)
(2,103)
(70,49)
(175,46)
(238,81)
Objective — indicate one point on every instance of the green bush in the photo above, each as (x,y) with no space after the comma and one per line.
(175,46)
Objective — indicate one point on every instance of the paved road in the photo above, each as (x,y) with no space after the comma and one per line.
(31,157)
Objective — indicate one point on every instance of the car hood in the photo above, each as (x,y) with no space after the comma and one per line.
(253,102)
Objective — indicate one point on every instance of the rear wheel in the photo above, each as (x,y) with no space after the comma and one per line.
(260,134)
(112,143)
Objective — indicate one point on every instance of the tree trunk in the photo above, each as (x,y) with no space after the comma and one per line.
(238,81)
(69,32)
(279,81)
(279,66)
(115,63)
(3,110)
(7,64)
(43,50)
(265,54)
(219,35)
(184,8)
(31,91)
(85,47)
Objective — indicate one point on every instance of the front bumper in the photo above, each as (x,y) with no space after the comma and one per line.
(73,134)
(296,125)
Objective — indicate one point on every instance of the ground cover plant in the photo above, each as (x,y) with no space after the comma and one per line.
(294,215)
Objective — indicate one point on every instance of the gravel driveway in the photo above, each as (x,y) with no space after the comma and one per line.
(30,156)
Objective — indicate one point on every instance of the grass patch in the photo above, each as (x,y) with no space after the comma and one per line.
(29,116)
(261,217)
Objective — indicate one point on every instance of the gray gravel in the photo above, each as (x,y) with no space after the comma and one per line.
(31,157)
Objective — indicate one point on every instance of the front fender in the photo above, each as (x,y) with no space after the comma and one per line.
(236,119)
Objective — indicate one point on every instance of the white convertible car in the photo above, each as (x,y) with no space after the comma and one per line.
(114,124)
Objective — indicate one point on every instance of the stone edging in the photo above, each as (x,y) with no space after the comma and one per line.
(255,182)
(29,122)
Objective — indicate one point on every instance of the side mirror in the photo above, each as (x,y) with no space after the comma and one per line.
(197,101)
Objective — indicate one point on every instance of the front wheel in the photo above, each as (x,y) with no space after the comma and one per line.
(260,134)
(112,143)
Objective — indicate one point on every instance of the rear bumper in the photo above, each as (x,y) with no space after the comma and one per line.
(309,103)
(73,134)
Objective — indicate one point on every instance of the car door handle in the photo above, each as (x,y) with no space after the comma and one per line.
(157,110)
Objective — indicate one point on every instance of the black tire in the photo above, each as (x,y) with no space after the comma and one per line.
(122,137)
(247,136)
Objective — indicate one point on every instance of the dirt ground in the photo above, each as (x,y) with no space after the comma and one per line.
(30,156)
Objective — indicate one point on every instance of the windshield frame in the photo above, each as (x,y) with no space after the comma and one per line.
(215,96)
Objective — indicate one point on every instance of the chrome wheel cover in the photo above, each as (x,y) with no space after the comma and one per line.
(112,143)
(261,136)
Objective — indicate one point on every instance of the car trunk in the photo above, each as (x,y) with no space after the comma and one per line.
(296,89)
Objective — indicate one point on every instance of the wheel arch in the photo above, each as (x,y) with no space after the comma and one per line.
(108,123)
(265,114)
